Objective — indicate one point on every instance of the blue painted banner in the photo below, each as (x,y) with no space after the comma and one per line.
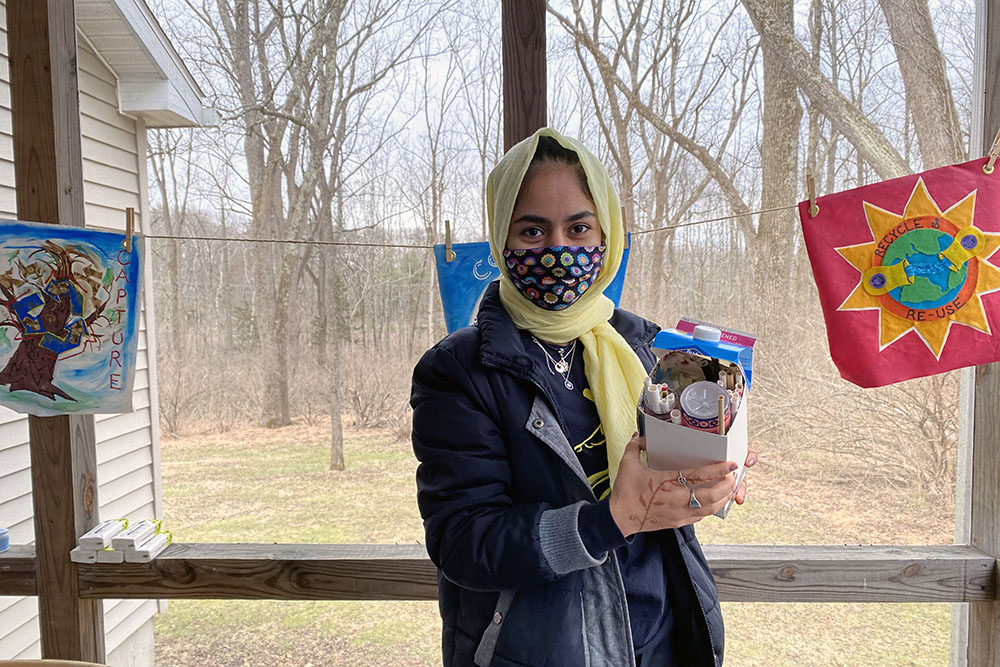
(69,319)
(463,280)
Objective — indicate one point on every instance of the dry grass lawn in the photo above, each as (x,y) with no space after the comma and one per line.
(273,485)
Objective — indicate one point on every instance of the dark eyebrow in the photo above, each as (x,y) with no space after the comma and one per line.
(581,215)
(537,219)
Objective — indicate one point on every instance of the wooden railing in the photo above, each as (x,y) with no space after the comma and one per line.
(47,139)
(745,573)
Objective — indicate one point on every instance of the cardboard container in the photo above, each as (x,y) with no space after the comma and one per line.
(672,446)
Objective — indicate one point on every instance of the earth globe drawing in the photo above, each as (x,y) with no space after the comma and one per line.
(924,270)
(934,282)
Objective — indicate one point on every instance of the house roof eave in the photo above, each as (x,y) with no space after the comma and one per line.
(129,39)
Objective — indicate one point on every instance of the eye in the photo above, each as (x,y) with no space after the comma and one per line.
(532,232)
(580,228)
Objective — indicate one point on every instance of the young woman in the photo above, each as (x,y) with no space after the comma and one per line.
(556,545)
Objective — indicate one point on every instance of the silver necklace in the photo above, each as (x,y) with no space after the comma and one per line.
(564,364)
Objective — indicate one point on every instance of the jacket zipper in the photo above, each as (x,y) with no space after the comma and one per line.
(694,588)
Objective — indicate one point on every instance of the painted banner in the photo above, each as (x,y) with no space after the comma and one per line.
(463,280)
(70,319)
(906,270)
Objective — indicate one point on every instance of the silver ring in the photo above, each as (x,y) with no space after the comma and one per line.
(681,479)
(693,503)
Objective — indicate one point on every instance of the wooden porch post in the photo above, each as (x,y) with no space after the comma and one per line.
(983,648)
(48,173)
(524,88)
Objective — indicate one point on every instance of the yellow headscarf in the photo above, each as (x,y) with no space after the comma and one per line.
(613,370)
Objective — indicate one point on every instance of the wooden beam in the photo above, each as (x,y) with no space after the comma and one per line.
(751,573)
(744,573)
(18,574)
(983,645)
(48,171)
(524,84)
(271,572)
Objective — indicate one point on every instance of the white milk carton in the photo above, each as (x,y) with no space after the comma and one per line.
(701,371)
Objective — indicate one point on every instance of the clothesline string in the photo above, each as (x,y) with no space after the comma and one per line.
(288,241)
(719,219)
(367,244)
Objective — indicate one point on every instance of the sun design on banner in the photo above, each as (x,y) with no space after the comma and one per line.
(925,270)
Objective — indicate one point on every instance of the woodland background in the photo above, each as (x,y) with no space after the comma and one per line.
(374,121)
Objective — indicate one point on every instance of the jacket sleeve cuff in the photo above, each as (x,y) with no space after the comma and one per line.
(562,540)
(598,530)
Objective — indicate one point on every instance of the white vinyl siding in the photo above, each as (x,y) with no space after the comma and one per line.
(127,444)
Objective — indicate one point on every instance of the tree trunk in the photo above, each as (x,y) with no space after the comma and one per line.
(224,296)
(772,265)
(31,368)
(268,311)
(321,327)
(173,255)
(928,94)
(336,405)
(822,93)
(780,122)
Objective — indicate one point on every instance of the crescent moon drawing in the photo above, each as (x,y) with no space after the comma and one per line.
(475,271)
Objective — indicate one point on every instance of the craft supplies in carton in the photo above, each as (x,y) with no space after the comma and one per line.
(702,377)
(99,537)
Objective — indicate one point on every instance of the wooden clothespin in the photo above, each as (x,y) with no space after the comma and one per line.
(811,192)
(129,228)
(994,154)
(449,254)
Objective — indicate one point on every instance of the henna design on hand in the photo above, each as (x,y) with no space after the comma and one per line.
(649,505)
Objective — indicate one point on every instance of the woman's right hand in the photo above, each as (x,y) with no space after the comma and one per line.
(643,499)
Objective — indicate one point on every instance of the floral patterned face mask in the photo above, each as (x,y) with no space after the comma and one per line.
(554,278)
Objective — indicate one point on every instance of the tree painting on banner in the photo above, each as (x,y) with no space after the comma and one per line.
(69,322)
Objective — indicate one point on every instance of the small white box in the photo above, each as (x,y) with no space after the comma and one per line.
(135,534)
(99,537)
(149,549)
(81,555)
(110,556)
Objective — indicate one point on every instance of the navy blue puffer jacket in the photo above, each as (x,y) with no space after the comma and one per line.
(500,490)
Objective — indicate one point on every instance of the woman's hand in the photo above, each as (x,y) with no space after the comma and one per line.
(741,493)
(644,499)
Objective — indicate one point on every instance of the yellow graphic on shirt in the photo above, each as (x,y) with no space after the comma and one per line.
(600,481)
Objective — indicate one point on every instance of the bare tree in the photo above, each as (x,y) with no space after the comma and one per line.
(297,77)
(476,56)
(171,159)
(928,93)
(708,152)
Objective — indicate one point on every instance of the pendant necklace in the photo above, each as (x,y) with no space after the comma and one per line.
(563,365)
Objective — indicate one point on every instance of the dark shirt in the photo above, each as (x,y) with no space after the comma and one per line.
(641,558)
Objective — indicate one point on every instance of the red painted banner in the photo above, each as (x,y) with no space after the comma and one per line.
(906,271)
